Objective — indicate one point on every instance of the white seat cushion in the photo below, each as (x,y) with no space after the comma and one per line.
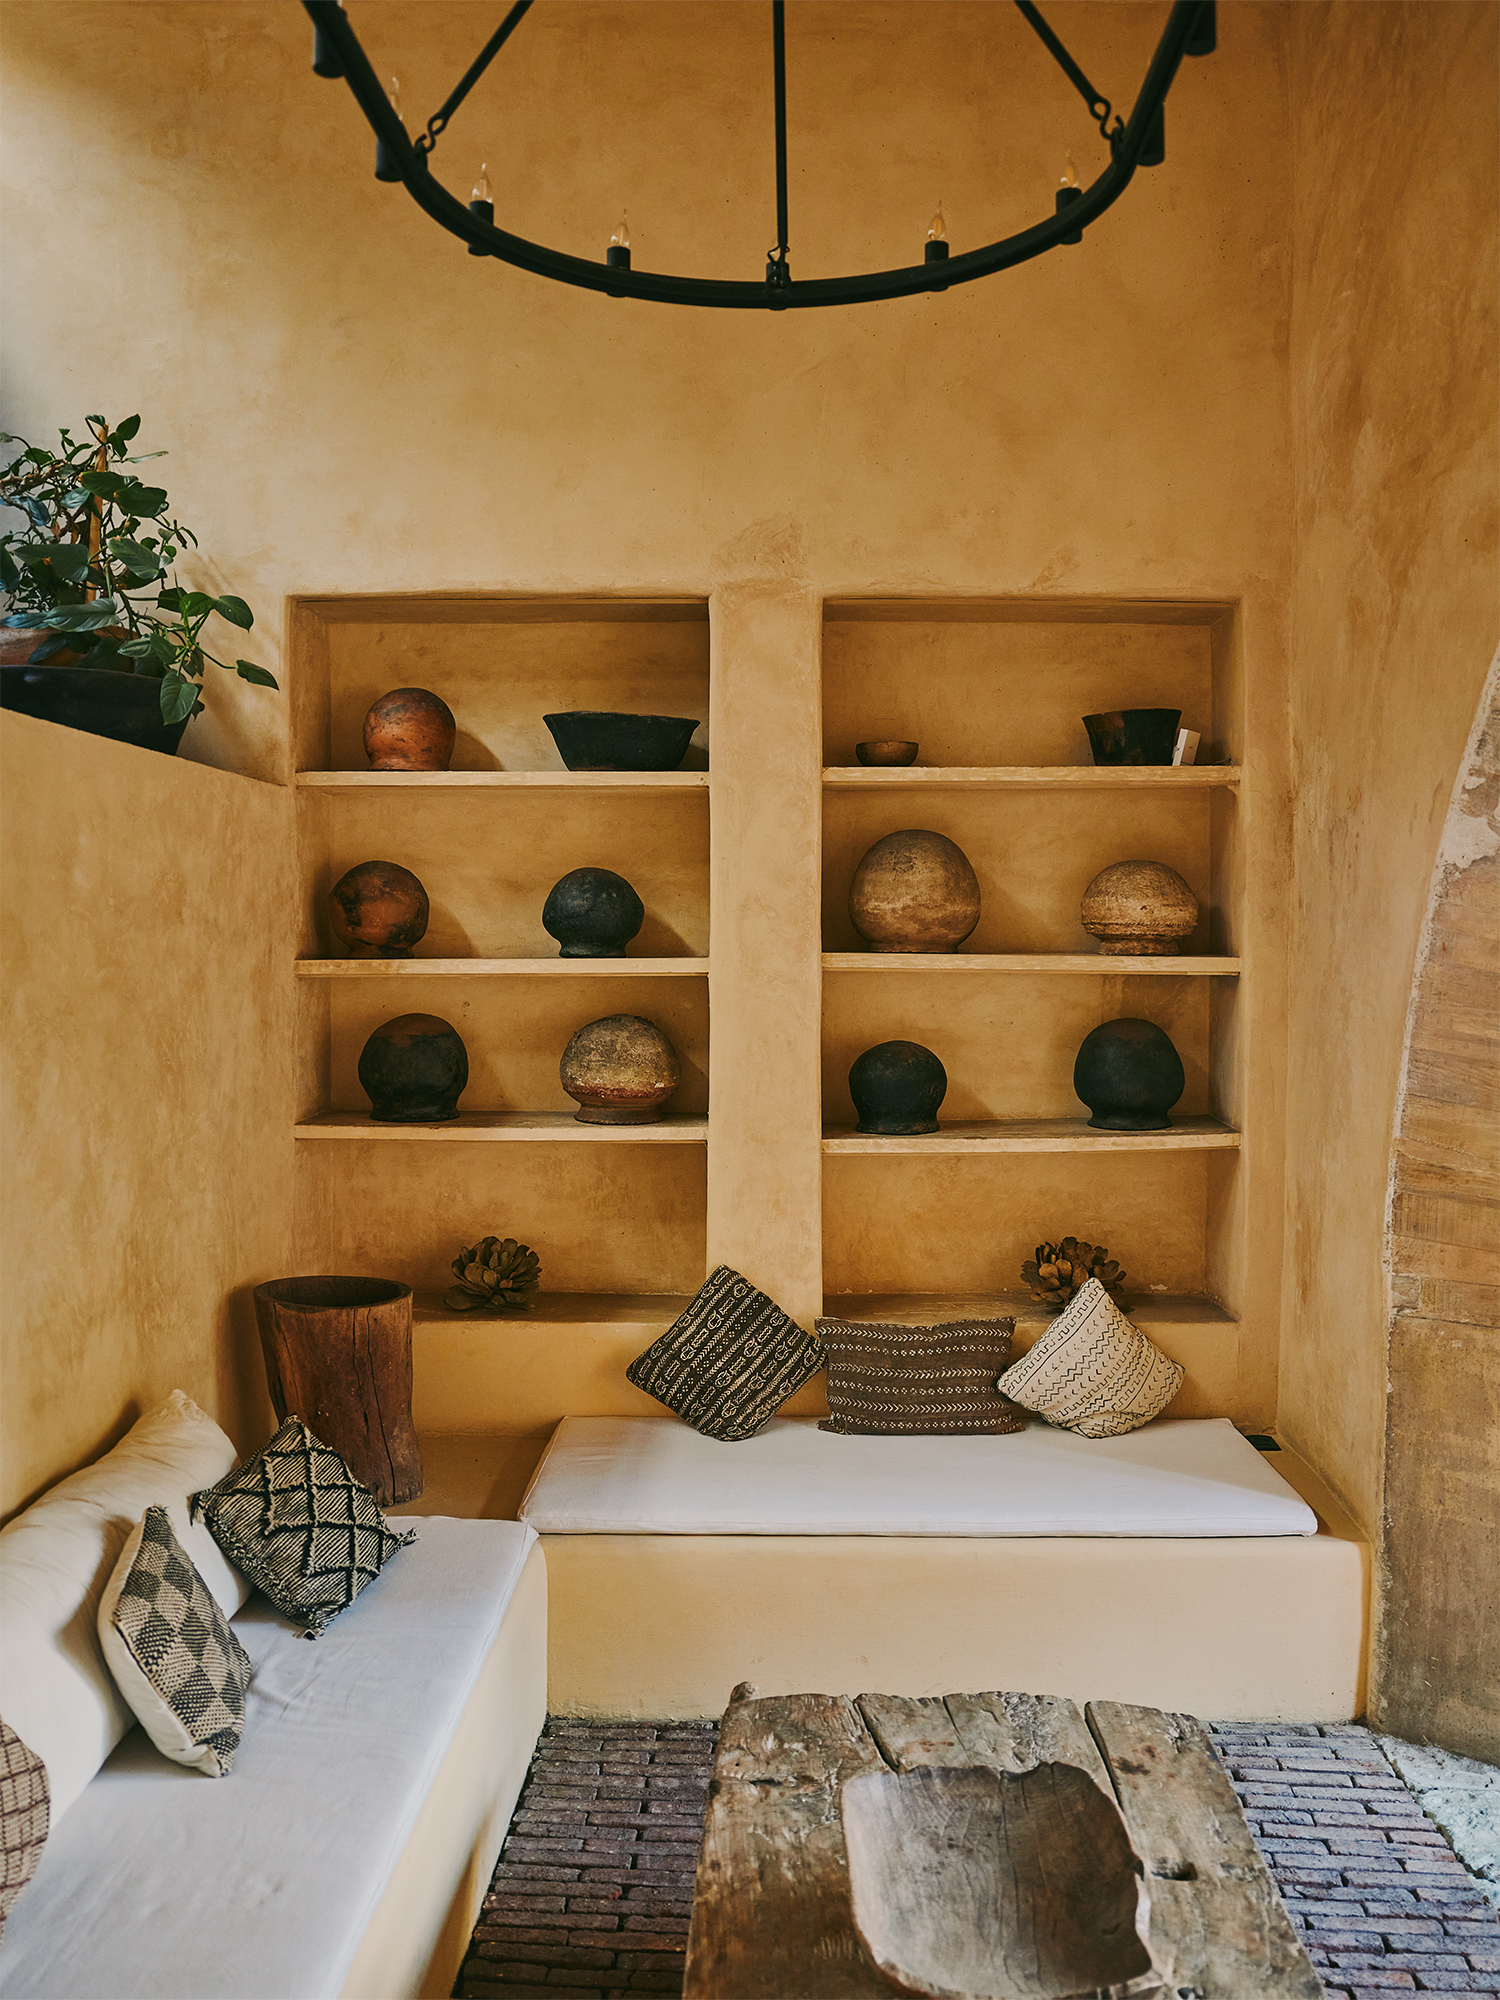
(654,1476)
(162,1887)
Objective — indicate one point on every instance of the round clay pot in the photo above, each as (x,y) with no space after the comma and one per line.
(621,1070)
(1133,735)
(410,729)
(897,1087)
(1139,909)
(379,910)
(888,750)
(593,913)
(599,739)
(914,892)
(414,1069)
(1129,1075)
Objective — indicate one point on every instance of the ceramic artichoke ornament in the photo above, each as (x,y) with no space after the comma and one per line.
(495,1276)
(1060,1269)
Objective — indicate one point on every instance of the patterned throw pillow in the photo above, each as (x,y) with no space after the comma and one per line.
(731,1361)
(917,1381)
(300,1525)
(25,1812)
(1092,1371)
(172,1652)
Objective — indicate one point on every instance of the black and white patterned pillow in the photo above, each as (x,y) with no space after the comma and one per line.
(888,1380)
(730,1362)
(25,1814)
(298,1523)
(172,1652)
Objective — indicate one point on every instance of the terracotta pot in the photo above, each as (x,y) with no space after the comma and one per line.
(124,707)
(621,1069)
(598,739)
(593,913)
(1133,735)
(379,910)
(888,750)
(410,729)
(1139,909)
(914,892)
(414,1069)
(897,1087)
(1129,1075)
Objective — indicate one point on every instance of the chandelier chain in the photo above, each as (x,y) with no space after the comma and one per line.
(1099,105)
(437,124)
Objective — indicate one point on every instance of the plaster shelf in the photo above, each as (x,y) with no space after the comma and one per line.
(502,968)
(1147,1309)
(521,781)
(1033,777)
(1086,964)
(1035,1135)
(646,1313)
(526,1127)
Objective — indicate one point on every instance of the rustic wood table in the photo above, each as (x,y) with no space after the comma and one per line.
(772,1918)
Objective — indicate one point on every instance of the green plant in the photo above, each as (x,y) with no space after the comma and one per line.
(494,1276)
(93,566)
(1060,1269)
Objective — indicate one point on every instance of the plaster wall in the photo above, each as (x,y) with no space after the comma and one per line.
(145,926)
(1394,619)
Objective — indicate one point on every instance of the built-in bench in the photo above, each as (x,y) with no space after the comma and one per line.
(1177,1567)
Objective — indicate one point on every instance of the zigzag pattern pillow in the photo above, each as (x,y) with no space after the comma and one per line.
(730,1362)
(917,1381)
(300,1525)
(1092,1371)
(172,1652)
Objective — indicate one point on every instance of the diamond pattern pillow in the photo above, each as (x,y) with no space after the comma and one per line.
(25,1813)
(172,1652)
(887,1380)
(730,1362)
(300,1525)
(1092,1371)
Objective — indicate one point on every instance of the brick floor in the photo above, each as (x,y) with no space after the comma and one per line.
(591,1895)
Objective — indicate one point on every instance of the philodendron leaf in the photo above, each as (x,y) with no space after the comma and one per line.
(123,433)
(248,671)
(177,697)
(193,603)
(85,617)
(236,610)
(170,599)
(139,561)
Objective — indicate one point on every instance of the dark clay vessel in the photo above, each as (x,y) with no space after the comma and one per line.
(414,1069)
(124,707)
(1129,1075)
(597,739)
(379,910)
(410,729)
(897,1087)
(593,913)
(1134,735)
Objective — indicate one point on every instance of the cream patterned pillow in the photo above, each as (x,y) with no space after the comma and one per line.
(1093,1372)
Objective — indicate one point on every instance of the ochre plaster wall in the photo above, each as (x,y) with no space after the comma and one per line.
(145,928)
(1394,619)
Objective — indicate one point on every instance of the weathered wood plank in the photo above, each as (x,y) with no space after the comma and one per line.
(1006,1732)
(1217,1921)
(771,1914)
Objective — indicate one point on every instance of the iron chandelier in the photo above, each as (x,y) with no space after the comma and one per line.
(1137,141)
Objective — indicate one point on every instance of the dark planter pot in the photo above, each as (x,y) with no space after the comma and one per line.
(124,707)
(595,739)
(1134,735)
(897,1088)
(593,913)
(414,1069)
(1129,1075)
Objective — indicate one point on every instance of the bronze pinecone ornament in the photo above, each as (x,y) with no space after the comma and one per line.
(494,1276)
(1061,1269)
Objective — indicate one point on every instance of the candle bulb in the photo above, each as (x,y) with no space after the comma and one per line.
(386,168)
(1068,191)
(482,204)
(937,238)
(617,256)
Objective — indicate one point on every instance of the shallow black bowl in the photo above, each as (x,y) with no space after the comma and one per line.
(1134,735)
(595,739)
(124,707)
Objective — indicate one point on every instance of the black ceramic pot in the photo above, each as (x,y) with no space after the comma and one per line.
(124,707)
(1134,735)
(414,1069)
(596,739)
(1129,1075)
(897,1087)
(593,913)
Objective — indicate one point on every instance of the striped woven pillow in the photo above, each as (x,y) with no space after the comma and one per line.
(918,1381)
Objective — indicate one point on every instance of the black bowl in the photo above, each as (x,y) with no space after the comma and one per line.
(595,739)
(1134,735)
(124,707)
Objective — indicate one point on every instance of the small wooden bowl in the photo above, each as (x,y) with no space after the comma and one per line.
(889,750)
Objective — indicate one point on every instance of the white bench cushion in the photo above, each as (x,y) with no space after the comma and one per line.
(655,1476)
(167,1885)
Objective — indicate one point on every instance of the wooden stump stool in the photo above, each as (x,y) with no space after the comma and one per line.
(338,1355)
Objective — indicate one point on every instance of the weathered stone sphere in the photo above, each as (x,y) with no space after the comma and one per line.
(1129,1075)
(410,729)
(1139,909)
(914,891)
(414,1069)
(379,910)
(593,913)
(897,1087)
(621,1069)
